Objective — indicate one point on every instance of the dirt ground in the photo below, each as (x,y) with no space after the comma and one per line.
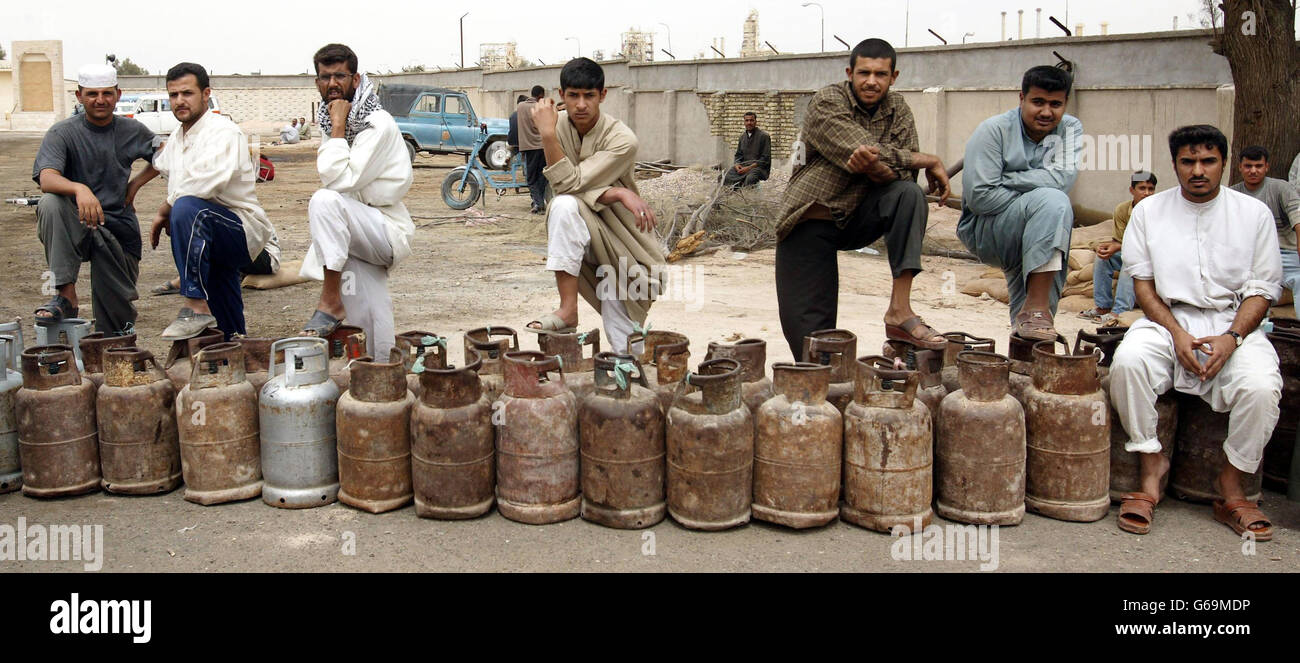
(486,267)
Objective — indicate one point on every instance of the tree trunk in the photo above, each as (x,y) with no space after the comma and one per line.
(1258,38)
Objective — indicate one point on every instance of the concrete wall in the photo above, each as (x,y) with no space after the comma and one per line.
(37,85)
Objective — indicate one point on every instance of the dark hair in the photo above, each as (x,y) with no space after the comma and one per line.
(537,91)
(582,74)
(750,114)
(334,54)
(1149,177)
(186,68)
(520,99)
(874,48)
(1255,153)
(1197,135)
(1046,78)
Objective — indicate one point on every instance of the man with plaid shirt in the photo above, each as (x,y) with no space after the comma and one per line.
(858,184)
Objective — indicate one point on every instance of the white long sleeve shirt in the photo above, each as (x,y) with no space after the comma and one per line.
(376,170)
(211,161)
(1205,258)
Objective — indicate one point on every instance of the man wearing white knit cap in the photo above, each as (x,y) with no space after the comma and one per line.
(87,212)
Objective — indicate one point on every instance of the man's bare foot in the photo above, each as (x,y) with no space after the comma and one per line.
(1230,491)
(68,292)
(1151,482)
(552,322)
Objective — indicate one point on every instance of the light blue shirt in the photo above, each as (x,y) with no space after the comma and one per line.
(1002,162)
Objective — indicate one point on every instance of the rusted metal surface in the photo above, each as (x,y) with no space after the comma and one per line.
(798,449)
(297,415)
(348,342)
(414,345)
(755,387)
(929,367)
(453,462)
(888,448)
(537,442)
(58,443)
(490,345)
(11,473)
(980,459)
(374,436)
(711,450)
(665,358)
(1106,339)
(578,367)
(837,348)
(1281,446)
(92,353)
(257,360)
(958,342)
(180,356)
(139,447)
(1126,466)
(1198,454)
(1067,424)
(216,417)
(621,436)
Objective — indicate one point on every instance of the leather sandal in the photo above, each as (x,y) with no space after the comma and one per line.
(903,332)
(59,309)
(1035,326)
(1136,512)
(1240,515)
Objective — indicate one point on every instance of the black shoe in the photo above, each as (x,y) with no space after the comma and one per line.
(535,210)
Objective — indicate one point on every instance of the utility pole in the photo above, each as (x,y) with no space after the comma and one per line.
(822,11)
(462,39)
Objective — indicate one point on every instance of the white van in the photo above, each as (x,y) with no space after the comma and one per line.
(154,110)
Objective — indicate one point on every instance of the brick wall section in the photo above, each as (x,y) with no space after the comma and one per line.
(775,110)
(261,104)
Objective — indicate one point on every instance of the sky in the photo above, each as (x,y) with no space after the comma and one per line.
(275,37)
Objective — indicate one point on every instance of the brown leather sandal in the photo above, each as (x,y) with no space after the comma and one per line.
(1035,326)
(1136,512)
(1241,516)
(903,332)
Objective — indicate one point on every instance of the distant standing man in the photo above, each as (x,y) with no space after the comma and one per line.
(359,225)
(216,225)
(87,212)
(1016,213)
(1283,202)
(1109,260)
(530,145)
(512,134)
(859,184)
(753,160)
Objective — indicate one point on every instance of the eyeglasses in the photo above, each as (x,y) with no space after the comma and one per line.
(339,77)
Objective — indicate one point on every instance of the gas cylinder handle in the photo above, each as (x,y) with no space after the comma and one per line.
(293,341)
(6,345)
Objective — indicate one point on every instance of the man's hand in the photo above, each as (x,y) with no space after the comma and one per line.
(937,177)
(645,217)
(862,159)
(89,210)
(741,170)
(880,173)
(338,110)
(1185,350)
(161,221)
(1220,348)
(545,116)
(1107,249)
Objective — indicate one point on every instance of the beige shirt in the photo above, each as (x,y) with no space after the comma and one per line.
(211,161)
(529,137)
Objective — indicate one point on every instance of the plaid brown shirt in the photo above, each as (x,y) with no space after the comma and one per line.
(834,126)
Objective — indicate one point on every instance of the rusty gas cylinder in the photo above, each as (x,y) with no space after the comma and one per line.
(216,416)
(453,462)
(374,436)
(755,386)
(888,449)
(257,360)
(1198,454)
(660,346)
(345,343)
(1021,353)
(1067,424)
(58,443)
(415,344)
(92,353)
(838,349)
(928,365)
(579,371)
(1281,446)
(180,356)
(798,449)
(490,344)
(621,436)
(537,442)
(711,449)
(959,342)
(979,473)
(1280,323)
(139,448)
(11,473)
(1106,339)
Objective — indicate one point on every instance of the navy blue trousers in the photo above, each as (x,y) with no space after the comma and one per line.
(209,247)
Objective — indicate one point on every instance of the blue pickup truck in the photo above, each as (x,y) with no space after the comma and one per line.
(441,121)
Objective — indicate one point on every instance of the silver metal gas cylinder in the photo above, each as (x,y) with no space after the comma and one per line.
(68,331)
(296,414)
(11,473)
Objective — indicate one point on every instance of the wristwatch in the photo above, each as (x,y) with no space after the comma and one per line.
(1235,336)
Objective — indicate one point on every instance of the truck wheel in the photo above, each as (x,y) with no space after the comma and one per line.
(496,154)
(411,150)
(458,197)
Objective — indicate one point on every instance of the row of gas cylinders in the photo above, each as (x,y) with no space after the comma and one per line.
(620,440)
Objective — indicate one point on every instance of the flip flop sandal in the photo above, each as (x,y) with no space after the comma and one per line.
(1240,515)
(321,324)
(1136,512)
(59,308)
(903,332)
(1035,326)
(1090,314)
(550,324)
(165,288)
(188,324)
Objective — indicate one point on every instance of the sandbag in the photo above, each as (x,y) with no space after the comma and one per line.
(287,276)
(1079,276)
(1074,304)
(1079,289)
(992,273)
(1080,258)
(1089,237)
(995,288)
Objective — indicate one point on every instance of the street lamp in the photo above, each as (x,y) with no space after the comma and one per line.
(821,11)
(579,44)
(968,34)
(462,39)
(670,36)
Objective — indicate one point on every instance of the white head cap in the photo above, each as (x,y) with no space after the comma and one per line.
(97,75)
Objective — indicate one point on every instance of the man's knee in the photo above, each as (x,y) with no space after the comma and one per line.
(186,208)
(322,201)
(1048,201)
(54,207)
(563,205)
